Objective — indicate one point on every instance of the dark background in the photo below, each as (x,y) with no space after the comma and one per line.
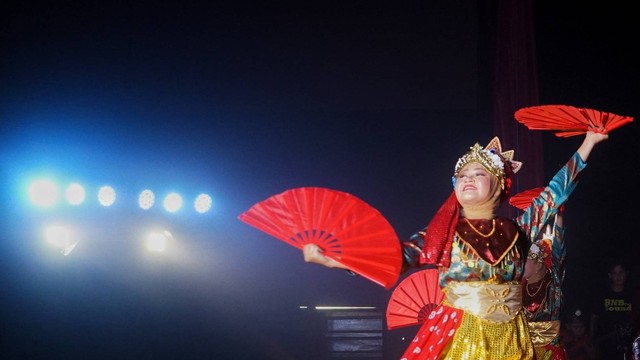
(245,101)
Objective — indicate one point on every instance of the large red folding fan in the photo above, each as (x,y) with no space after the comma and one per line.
(346,228)
(568,121)
(413,299)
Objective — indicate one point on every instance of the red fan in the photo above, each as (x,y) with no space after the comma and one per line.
(347,229)
(569,121)
(414,298)
(523,199)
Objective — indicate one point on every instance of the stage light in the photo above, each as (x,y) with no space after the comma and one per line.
(157,242)
(60,237)
(202,203)
(75,194)
(57,235)
(172,202)
(106,196)
(146,199)
(43,193)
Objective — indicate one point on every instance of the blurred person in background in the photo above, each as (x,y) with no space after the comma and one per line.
(575,337)
(611,325)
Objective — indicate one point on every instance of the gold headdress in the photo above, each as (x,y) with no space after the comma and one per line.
(493,159)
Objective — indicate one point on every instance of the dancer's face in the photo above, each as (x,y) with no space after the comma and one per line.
(474,185)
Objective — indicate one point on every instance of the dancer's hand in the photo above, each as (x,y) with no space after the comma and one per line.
(590,140)
(314,254)
(596,137)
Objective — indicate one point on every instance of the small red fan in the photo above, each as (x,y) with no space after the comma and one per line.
(346,228)
(523,199)
(414,298)
(568,121)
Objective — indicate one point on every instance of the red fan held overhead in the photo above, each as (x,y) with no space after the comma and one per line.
(413,299)
(346,228)
(568,121)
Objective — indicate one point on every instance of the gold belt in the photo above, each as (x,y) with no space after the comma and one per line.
(497,303)
(542,332)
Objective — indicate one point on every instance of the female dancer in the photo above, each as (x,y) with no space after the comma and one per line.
(480,257)
(542,296)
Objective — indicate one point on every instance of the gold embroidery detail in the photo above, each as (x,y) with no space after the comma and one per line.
(499,298)
(543,332)
(478,231)
(497,303)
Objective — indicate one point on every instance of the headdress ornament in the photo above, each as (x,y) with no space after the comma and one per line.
(493,159)
(540,251)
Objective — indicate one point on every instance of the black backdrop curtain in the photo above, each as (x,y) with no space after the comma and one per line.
(515,85)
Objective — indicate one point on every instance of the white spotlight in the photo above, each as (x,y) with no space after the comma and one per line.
(173,202)
(57,235)
(60,237)
(43,193)
(75,194)
(202,203)
(106,196)
(157,242)
(146,199)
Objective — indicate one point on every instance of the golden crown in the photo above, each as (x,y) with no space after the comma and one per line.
(492,158)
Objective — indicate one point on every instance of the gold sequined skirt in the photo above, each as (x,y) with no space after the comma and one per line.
(493,326)
(479,339)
